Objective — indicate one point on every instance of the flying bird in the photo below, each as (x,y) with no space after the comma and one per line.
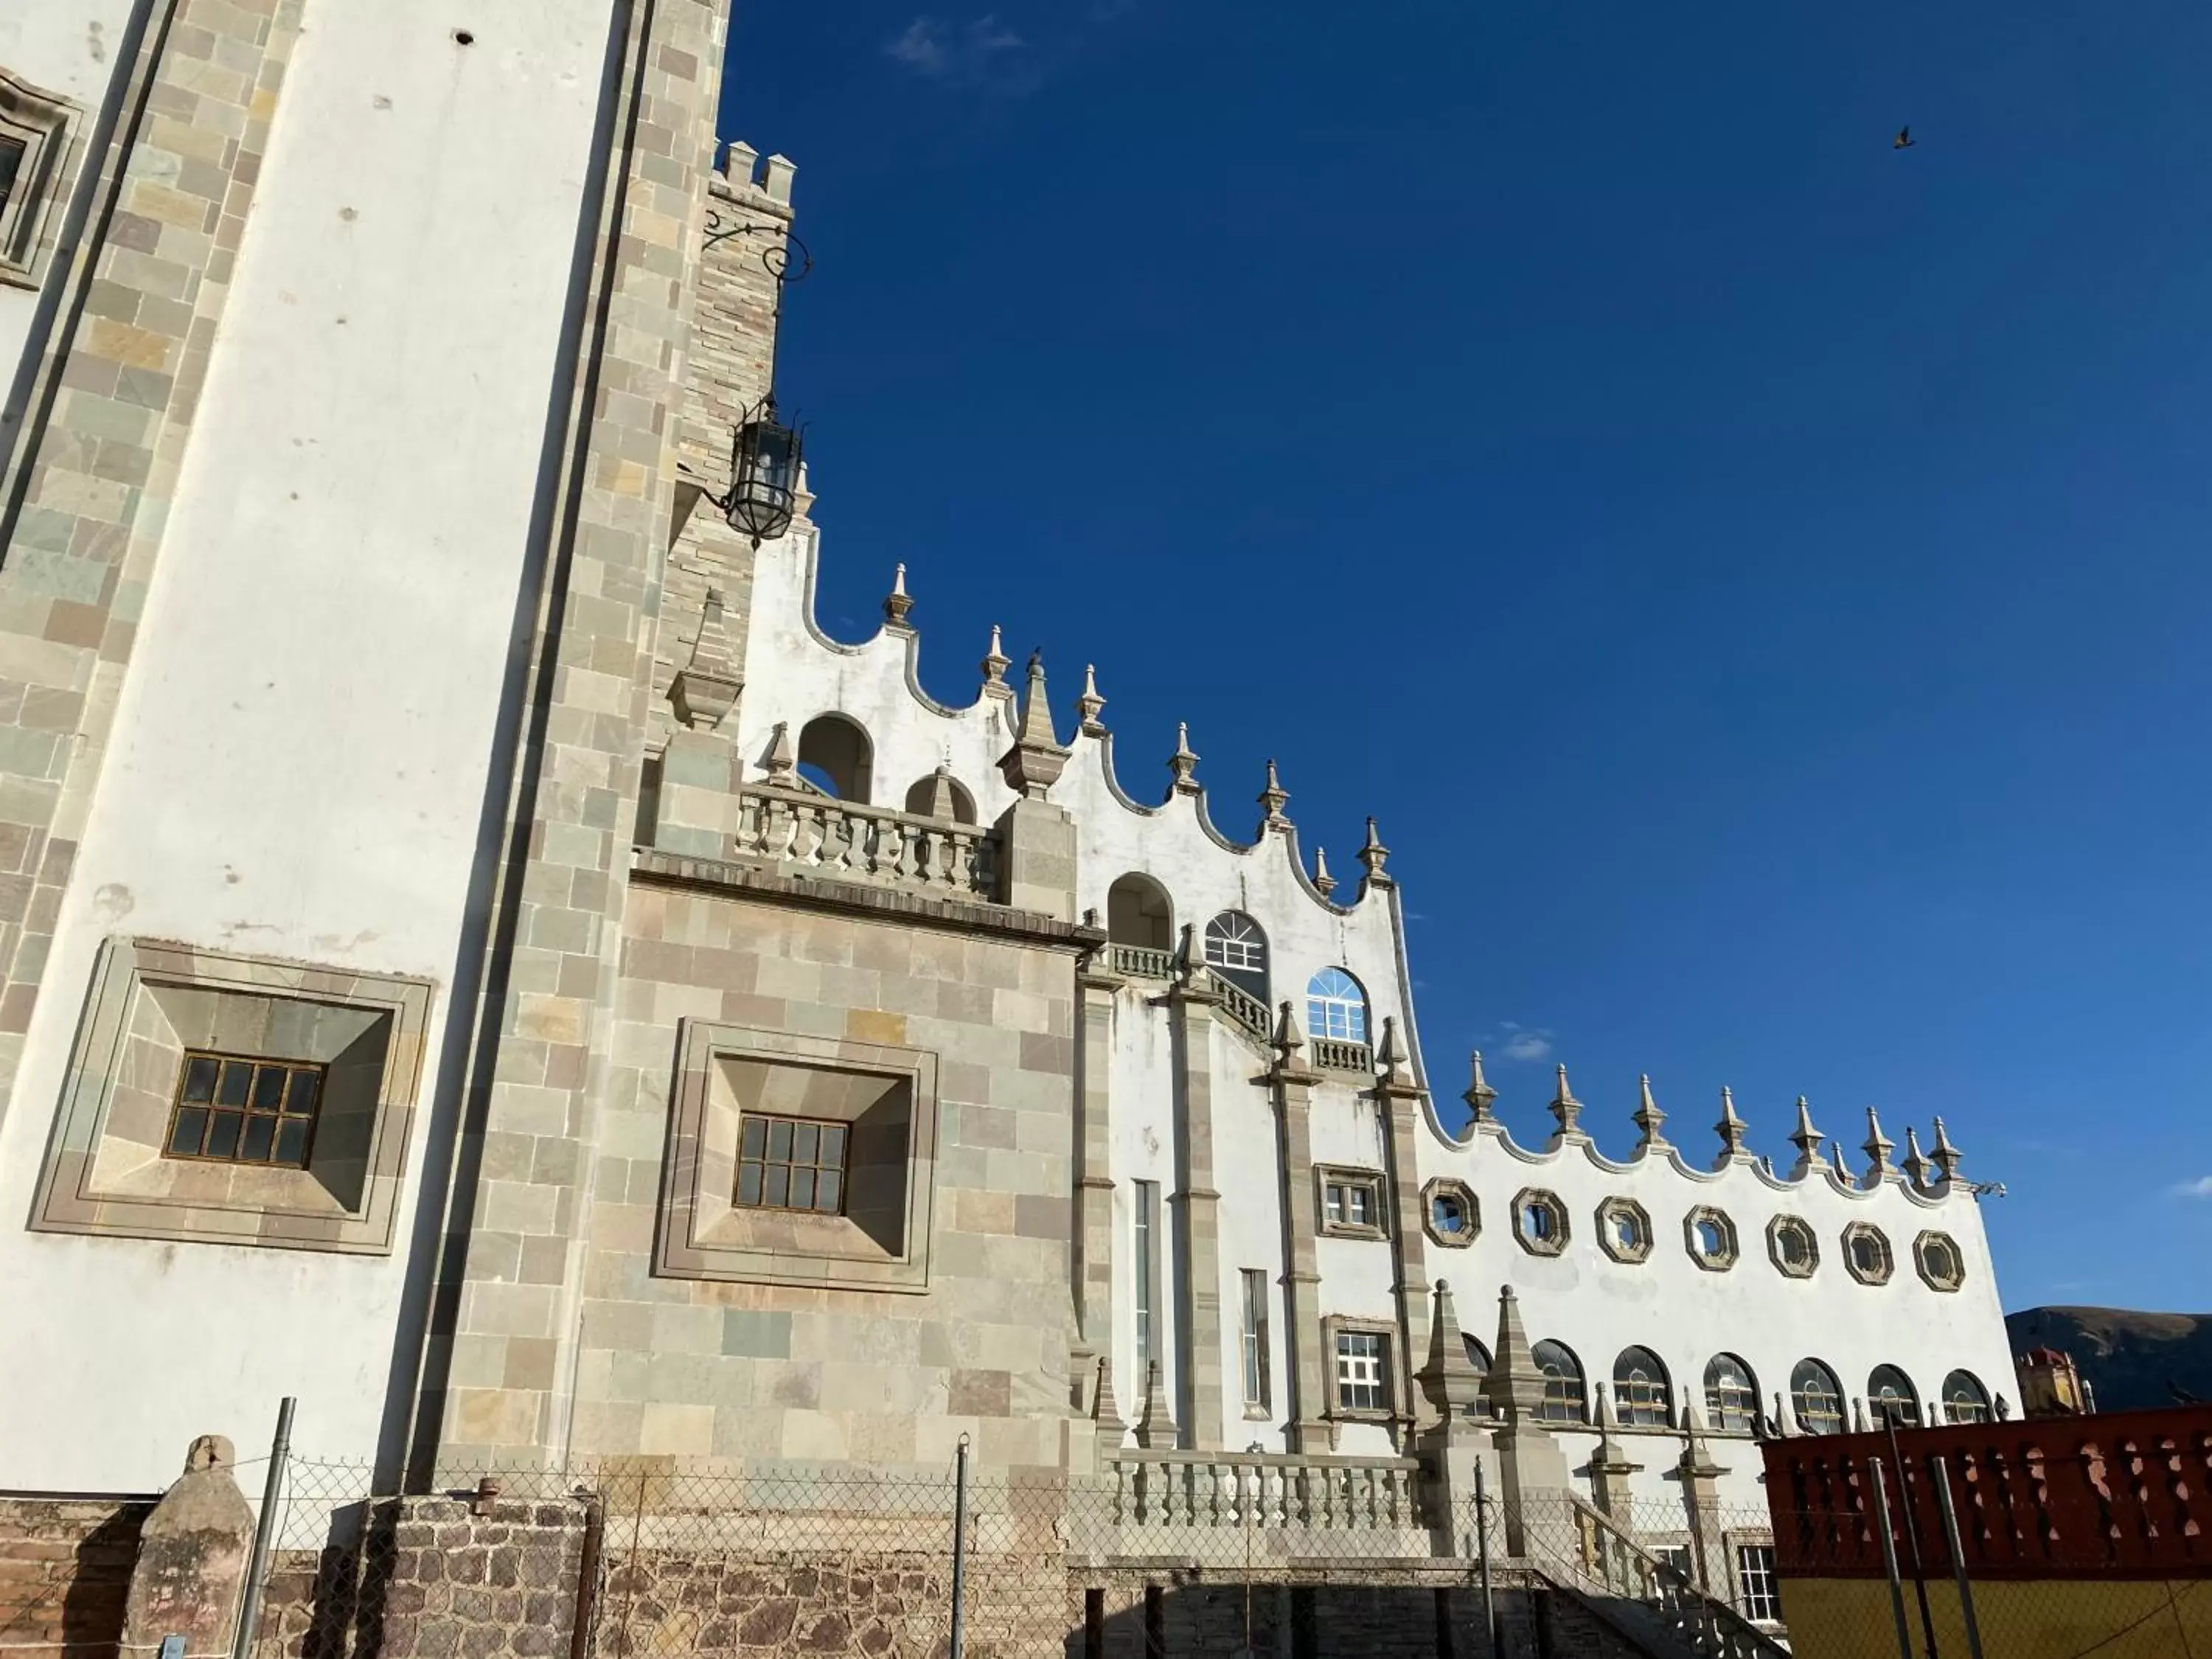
(2181,1395)
(1903,139)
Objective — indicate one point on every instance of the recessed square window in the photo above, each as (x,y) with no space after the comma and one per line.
(791,1163)
(1359,1350)
(1351,1201)
(36,130)
(234,1108)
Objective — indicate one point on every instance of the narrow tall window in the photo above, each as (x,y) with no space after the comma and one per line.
(1255,1337)
(1755,1577)
(1148,1216)
(1361,1380)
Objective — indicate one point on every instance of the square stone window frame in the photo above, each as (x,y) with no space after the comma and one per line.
(1451,1187)
(1562,1230)
(1717,1262)
(1937,1281)
(1868,1229)
(705,1234)
(1335,1325)
(1782,1264)
(1348,1175)
(1611,1210)
(105,1172)
(46,125)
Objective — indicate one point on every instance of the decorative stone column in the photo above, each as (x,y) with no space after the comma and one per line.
(1196,1206)
(192,1556)
(1398,1102)
(1306,1429)
(1037,852)
(1609,1467)
(1093,1263)
(1700,1476)
(1454,1438)
(1533,1468)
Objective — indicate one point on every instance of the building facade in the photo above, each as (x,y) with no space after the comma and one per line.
(480,958)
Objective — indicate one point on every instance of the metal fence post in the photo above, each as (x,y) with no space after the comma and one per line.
(1911,1533)
(1889,1558)
(1482,1554)
(959,1545)
(265,1528)
(1958,1558)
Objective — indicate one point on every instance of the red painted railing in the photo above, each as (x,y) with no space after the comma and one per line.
(2126,1495)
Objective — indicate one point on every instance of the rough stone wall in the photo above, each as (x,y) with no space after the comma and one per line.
(697,1369)
(65,1573)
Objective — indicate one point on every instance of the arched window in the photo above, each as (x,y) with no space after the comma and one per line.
(1731,1396)
(1238,950)
(1641,1396)
(941,795)
(1336,1008)
(836,756)
(1563,1384)
(1964,1398)
(1817,1398)
(1891,1398)
(1479,1357)
(1138,912)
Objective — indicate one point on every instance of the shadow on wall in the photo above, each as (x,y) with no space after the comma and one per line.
(1226,1619)
(92,1610)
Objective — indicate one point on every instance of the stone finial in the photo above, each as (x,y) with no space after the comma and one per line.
(782,759)
(2004,1409)
(1391,1058)
(1189,959)
(1836,1161)
(1566,1108)
(1858,1414)
(1272,800)
(1374,856)
(1877,1147)
(1806,1138)
(1782,1428)
(210,1451)
(1453,1385)
(1480,1095)
(1517,1385)
(1648,1118)
(777,177)
(741,162)
(1155,1426)
(1946,1156)
(1609,1466)
(895,602)
(1288,1038)
(1324,883)
(994,666)
(1730,1128)
(941,804)
(1037,760)
(707,685)
(1183,763)
(1105,1410)
(1915,1166)
(1087,706)
(1696,1462)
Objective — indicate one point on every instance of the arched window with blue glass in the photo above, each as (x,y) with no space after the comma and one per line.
(1336,1007)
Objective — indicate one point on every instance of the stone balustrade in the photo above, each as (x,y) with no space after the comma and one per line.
(1264,1491)
(1247,1010)
(1332,1055)
(1139,962)
(837,841)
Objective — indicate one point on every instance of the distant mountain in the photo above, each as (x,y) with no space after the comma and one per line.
(2133,1361)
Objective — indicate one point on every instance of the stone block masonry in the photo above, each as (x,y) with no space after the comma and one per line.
(65,1573)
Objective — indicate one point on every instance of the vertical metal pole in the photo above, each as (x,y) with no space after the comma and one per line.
(1911,1535)
(1482,1552)
(959,1545)
(256,1566)
(1889,1558)
(1958,1558)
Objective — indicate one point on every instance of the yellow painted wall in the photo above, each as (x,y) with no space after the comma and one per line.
(2038,1619)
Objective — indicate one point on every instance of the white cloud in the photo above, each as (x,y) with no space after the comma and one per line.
(1527,1042)
(2200,1187)
(932,47)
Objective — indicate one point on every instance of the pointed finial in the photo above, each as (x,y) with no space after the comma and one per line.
(1480,1095)
(895,602)
(1374,855)
(706,687)
(1858,1413)
(1648,1117)
(782,759)
(1946,1156)
(1037,759)
(1156,1427)
(1806,1138)
(1188,959)
(1391,1056)
(1450,1378)
(1877,1147)
(1105,1410)
(1272,799)
(1781,1429)
(1565,1106)
(1836,1161)
(1730,1128)
(1183,763)
(1324,883)
(995,663)
(1915,1166)
(1088,705)
(1288,1038)
(942,803)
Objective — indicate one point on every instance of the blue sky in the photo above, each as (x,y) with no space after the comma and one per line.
(1756,575)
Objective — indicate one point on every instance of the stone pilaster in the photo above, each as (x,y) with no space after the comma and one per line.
(1306,1424)
(1700,1476)
(1197,1206)
(1533,1468)
(1093,1264)
(1609,1467)
(1399,1102)
(1036,859)
(1454,1438)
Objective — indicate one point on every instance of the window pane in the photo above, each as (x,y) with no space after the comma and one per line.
(777,1187)
(199,1078)
(237,1079)
(184,1138)
(268,1088)
(779,1140)
(802,1189)
(299,1097)
(292,1142)
(260,1135)
(222,1137)
(748,1183)
(826,1196)
(806,1142)
(756,1138)
(833,1145)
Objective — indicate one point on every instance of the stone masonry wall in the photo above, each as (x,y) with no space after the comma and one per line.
(64,1571)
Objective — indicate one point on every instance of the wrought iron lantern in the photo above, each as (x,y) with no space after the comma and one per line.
(764,474)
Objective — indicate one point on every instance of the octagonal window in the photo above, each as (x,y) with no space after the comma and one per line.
(1624,1229)
(1540,1222)
(1711,1238)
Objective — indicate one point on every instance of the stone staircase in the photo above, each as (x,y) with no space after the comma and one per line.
(1607,1578)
